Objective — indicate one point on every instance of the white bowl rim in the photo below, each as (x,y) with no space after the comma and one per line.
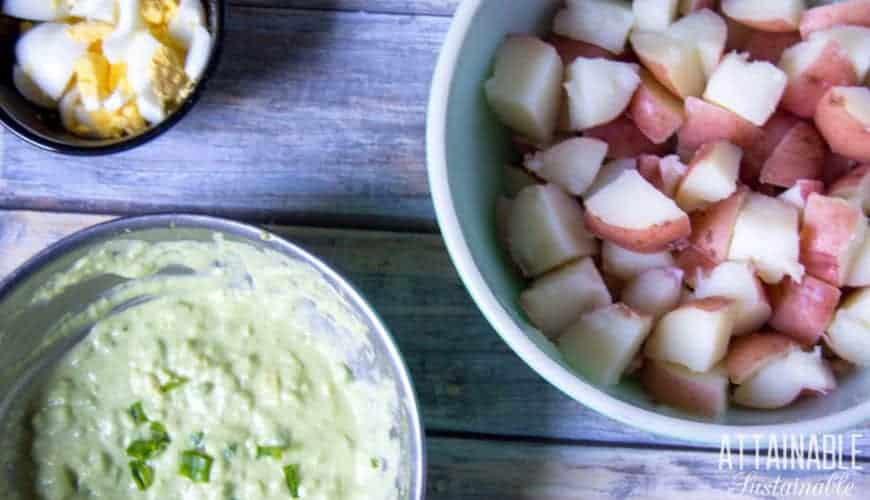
(562,378)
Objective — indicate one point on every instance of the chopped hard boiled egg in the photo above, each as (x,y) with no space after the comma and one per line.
(114,66)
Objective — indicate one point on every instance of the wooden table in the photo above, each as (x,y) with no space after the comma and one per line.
(315,124)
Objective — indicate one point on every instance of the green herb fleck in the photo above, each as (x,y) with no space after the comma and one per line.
(175,381)
(291,475)
(137,413)
(144,449)
(196,439)
(270,452)
(376,463)
(196,466)
(143,474)
(230,451)
(158,432)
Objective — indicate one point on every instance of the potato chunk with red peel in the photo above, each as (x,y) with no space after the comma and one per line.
(655,111)
(654,15)
(632,213)
(663,173)
(708,32)
(603,342)
(712,231)
(712,176)
(624,139)
(843,118)
(799,193)
(545,230)
(689,6)
(557,299)
(695,334)
(604,23)
(859,273)
(670,384)
(803,310)
(625,264)
(750,89)
(769,15)
(571,164)
(854,186)
(767,46)
(675,63)
(737,281)
(855,43)
(832,233)
(854,12)
(800,154)
(570,49)
(750,353)
(525,89)
(813,67)
(706,122)
(782,381)
(655,291)
(766,234)
(599,90)
(849,333)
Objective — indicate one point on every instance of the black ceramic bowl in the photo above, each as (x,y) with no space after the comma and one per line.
(42,128)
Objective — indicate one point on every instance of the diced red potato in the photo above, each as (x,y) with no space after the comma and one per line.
(689,6)
(751,89)
(750,353)
(609,172)
(855,43)
(694,335)
(738,35)
(655,291)
(708,32)
(799,154)
(711,177)
(632,213)
(737,281)
(859,272)
(665,174)
(625,264)
(604,23)
(603,342)
(570,49)
(545,230)
(772,133)
(712,231)
(836,166)
(832,233)
(849,334)
(670,384)
(854,186)
(525,89)
(813,67)
(706,122)
(854,12)
(515,179)
(674,62)
(767,234)
(767,15)
(571,164)
(656,112)
(599,90)
(843,118)
(654,15)
(783,380)
(799,193)
(625,139)
(768,46)
(804,310)
(524,146)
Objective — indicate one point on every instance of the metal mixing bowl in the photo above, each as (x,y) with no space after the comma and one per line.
(24,359)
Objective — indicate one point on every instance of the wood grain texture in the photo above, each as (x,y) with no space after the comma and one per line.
(467,378)
(314,117)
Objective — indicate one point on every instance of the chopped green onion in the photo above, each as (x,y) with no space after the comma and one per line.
(270,451)
(376,464)
(137,413)
(196,466)
(175,381)
(291,475)
(158,433)
(230,451)
(144,449)
(143,474)
(196,439)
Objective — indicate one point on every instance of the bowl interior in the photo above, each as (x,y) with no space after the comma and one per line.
(26,358)
(476,146)
(43,128)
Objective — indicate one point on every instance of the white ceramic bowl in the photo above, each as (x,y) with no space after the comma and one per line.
(466,148)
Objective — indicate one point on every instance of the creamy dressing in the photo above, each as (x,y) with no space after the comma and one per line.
(240,356)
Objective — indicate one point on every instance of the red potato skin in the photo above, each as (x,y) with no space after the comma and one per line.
(772,133)
(799,155)
(667,387)
(624,139)
(855,12)
(836,166)
(524,146)
(694,5)
(767,46)
(808,187)
(831,69)
(775,26)
(648,168)
(658,238)
(748,354)
(804,310)
(827,228)
(850,181)
(708,304)
(843,133)
(655,112)
(707,122)
(711,236)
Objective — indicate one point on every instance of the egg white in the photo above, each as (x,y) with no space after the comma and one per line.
(48,54)
(25,86)
(35,10)
(94,10)
(188,17)
(130,22)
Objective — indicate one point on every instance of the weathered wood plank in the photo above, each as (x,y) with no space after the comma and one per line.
(402,7)
(466,377)
(314,117)
(470,469)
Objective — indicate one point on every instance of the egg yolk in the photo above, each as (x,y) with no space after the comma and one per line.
(92,76)
(90,32)
(171,83)
(159,12)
